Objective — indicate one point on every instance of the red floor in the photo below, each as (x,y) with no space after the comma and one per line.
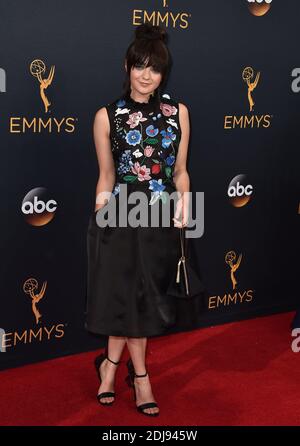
(242,373)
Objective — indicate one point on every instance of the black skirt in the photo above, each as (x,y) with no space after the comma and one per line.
(129,271)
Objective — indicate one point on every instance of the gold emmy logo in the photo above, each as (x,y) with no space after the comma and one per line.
(247,75)
(237,296)
(29,287)
(46,123)
(162,15)
(229,259)
(250,120)
(259,7)
(38,69)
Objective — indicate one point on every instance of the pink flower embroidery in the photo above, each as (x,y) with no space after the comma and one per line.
(141,171)
(135,118)
(148,151)
(167,109)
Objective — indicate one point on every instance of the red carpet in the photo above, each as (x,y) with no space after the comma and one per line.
(242,373)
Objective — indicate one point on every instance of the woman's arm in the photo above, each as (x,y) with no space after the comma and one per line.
(180,176)
(106,179)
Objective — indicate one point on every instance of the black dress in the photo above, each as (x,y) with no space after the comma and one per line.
(130,267)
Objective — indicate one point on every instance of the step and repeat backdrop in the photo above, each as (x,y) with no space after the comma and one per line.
(236,65)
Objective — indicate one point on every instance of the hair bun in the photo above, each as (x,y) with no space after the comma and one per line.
(151,32)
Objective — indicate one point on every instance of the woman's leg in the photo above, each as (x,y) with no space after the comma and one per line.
(108,369)
(137,350)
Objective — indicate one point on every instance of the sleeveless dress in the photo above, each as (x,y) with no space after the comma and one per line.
(131,266)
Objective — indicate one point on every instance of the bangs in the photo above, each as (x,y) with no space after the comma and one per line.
(149,54)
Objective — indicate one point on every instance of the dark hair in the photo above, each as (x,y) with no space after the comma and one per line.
(148,48)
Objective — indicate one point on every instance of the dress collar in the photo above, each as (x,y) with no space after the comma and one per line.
(130,100)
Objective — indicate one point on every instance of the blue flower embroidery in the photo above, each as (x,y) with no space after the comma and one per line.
(133,137)
(116,189)
(157,187)
(121,103)
(125,162)
(148,143)
(151,131)
(170,160)
(168,137)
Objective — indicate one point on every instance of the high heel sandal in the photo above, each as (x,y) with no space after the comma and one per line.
(97,362)
(130,381)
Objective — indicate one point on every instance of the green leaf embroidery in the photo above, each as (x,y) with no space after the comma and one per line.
(168,171)
(151,141)
(155,161)
(130,178)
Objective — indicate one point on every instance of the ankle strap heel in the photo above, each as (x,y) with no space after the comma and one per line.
(98,361)
(114,362)
(110,360)
(141,376)
(130,381)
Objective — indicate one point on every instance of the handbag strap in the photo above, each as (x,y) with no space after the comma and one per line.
(182,236)
(182,262)
(182,258)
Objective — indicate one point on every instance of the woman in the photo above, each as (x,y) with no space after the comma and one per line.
(141,141)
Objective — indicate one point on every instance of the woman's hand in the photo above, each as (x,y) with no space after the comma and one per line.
(102,199)
(181,216)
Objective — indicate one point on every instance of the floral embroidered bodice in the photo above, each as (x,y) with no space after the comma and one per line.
(144,138)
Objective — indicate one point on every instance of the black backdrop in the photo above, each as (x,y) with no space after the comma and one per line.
(211,43)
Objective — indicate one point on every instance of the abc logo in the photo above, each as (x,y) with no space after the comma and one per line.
(259,7)
(38,208)
(239,191)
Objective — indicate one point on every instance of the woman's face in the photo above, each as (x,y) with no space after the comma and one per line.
(144,79)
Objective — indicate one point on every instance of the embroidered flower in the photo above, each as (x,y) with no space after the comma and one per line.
(151,131)
(125,162)
(167,109)
(141,171)
(170,160)
(148,151)
(116,189)
(157,187)
(168,137)
(133,137)
(121,103)
(135,118)
(151,152)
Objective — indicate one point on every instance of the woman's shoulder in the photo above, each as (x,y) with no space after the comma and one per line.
(115,102)
(108,109)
